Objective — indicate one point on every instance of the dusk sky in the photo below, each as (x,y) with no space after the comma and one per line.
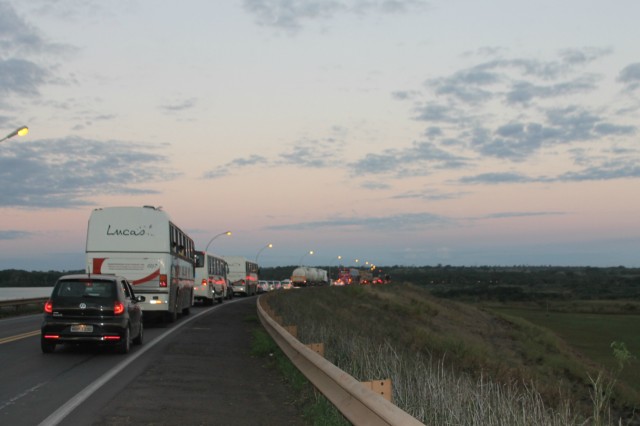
(395,132)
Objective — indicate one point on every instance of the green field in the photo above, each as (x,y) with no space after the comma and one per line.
(591,335)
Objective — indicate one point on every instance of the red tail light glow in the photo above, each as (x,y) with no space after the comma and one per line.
(118,308)
(111,337)
(204,281)
(163,280)
(51,336)
(48,307)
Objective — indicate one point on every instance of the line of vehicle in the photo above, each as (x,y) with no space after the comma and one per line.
(19,336)
(57,416)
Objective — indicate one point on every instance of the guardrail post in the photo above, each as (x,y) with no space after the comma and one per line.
(317,348)
(358,403)
(381,387)
(291,329)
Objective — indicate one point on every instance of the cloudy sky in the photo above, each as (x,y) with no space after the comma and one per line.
(395,132)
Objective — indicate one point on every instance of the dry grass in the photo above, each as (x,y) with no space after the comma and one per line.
(450,363)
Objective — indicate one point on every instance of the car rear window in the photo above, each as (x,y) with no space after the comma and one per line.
(85,288)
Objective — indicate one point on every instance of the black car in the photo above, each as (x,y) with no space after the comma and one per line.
(88,308)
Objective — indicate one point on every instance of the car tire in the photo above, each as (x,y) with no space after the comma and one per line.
(140,337)
(125,345)
(47,347)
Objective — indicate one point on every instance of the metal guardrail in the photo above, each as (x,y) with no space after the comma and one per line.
(360,405)
(19,302)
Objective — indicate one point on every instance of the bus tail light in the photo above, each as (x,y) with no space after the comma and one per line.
(163,280)
(204,281)
(48,307)
(118,308)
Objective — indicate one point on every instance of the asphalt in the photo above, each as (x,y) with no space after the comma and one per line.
(206,375)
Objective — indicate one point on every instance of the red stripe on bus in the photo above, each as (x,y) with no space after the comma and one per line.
(153,275)
(97,264)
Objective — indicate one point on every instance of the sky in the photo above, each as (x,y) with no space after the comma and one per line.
(384,132)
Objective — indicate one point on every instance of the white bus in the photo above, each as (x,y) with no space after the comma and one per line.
(211,278)
(243,275)
(144,246)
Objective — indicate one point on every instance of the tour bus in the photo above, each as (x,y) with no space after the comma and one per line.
(144,246)
(243,275)
(211,278)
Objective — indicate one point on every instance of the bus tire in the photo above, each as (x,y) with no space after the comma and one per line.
(171,316)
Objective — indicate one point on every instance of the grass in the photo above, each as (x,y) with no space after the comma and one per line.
(316,409)
(592,334)
(450,362)
(18,310)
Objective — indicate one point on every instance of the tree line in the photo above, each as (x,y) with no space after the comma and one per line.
(460,282)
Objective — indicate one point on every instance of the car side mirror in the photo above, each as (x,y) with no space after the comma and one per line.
(140,298)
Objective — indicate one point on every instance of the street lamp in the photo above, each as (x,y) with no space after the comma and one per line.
(20,131)
(260,251)
(303,256)
(214,237)
(337,267)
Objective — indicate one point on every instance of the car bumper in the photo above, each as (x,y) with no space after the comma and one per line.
(61,331)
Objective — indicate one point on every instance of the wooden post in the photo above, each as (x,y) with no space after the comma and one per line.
(317,348)
(381,387)
(292,330)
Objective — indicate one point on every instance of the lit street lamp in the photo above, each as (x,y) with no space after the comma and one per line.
(21,131)
(260,251)
(303,256)
(214,237)
(339,258)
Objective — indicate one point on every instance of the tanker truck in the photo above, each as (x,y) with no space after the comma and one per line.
(304,276)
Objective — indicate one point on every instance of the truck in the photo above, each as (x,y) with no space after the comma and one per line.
(304,276)
(346,276)
(366,277)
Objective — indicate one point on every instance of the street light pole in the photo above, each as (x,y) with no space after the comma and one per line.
(260,251)
(20,131)
(303,256)
(337,267)
(214,237)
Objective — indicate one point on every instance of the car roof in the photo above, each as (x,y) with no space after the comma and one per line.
(106,277)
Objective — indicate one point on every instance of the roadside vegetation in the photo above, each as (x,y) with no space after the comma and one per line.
(14,311)
(456,362)
(316,409)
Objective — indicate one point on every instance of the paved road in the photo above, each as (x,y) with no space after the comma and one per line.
(203,375)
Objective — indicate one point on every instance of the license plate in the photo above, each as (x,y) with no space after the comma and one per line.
(81,328)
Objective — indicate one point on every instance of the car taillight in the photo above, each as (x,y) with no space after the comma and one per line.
(118,308)
(204,281)
(163,280)
(48,307)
